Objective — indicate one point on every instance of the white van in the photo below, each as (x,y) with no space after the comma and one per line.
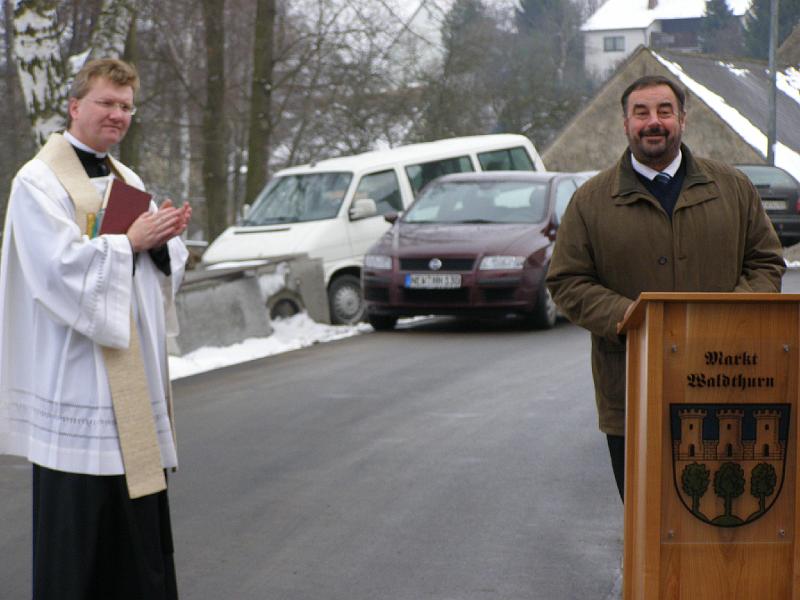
(333,209)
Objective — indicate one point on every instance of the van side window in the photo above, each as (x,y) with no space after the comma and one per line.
(512,159)
(564,192)
(383,189)
(420,175)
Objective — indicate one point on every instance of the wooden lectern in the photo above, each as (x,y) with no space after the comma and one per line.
(712,505)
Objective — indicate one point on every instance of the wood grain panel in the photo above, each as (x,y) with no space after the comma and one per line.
(670,552)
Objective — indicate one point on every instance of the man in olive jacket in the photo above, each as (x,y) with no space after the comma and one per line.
(660,220)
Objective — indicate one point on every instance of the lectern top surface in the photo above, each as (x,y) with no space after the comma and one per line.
(636,312)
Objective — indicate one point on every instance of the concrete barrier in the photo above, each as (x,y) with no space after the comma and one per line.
(221,307)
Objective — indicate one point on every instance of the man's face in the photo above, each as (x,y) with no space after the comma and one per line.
(654,125)
(99,119)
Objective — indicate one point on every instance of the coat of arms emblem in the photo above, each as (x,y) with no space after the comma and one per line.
(728,460)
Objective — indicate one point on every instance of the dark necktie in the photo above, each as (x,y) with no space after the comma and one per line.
(662,179)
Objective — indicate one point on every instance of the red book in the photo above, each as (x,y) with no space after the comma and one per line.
(123,205)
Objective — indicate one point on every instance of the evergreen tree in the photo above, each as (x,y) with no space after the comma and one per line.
(527,80)
(458,99)
(547,71)
(756,29)
(538,15)
(555,26)
(721,30)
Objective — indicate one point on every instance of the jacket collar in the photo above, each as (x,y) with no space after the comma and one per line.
(697,186)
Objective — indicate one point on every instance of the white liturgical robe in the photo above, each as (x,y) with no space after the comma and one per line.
(62,297)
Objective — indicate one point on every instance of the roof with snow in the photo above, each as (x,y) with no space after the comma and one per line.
(635,14)
(738,92)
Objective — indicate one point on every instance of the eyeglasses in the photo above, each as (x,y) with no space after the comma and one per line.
(110,105)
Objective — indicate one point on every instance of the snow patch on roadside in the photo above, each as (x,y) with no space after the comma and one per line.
(292,333)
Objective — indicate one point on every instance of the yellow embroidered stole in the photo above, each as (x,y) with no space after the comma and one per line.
(141,455)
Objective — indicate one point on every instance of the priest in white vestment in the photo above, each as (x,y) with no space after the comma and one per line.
(69,304)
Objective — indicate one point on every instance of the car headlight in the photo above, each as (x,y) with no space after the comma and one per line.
(377,261)
(502,262)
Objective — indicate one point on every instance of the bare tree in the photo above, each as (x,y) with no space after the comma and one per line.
(44,69)
(260,99)
(214,147)
(41,69)
(130,147)
(111,32)
(17,142)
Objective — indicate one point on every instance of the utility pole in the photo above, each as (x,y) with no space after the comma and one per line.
(772,126)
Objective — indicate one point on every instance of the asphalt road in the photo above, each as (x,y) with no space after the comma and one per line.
(443,461)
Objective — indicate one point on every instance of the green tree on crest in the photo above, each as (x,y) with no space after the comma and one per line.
(762,484)
(694,481)
(729,484)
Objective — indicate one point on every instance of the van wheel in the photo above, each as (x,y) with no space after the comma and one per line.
(345,300)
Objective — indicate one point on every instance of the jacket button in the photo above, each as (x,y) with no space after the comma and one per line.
(662,260)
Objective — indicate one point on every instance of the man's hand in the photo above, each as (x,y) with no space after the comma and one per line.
(154,229)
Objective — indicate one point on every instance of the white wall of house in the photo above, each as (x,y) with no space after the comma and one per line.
(604,50)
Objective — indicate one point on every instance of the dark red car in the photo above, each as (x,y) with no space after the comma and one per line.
(473,244)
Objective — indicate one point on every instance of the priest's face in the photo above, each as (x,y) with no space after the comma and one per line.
(654,123)
(101,118)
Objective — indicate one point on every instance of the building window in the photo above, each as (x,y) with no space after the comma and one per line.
(614,43)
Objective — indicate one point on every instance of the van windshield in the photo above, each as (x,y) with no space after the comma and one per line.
(298,198)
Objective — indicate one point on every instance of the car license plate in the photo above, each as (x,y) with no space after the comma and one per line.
(433,281)
(774,204)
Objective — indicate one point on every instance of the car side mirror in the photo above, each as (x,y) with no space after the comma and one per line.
(362,209)
(243,212)
(391,217)
(552,228)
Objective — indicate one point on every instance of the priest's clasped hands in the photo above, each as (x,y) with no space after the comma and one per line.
(154,229)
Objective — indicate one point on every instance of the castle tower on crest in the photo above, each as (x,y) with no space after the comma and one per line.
(768,445)
(691,444)
(730,445)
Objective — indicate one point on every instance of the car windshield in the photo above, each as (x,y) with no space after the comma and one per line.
(480,202)
(297,198)
(767,175)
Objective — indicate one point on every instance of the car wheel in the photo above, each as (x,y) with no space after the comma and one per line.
(382,322)
(545,314)
(345,300)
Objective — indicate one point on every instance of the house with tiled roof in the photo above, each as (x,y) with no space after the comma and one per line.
(726,112)
(618,27)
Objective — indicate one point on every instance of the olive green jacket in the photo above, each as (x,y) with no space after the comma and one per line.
(616,241)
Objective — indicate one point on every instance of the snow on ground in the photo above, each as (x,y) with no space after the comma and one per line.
(291,333)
